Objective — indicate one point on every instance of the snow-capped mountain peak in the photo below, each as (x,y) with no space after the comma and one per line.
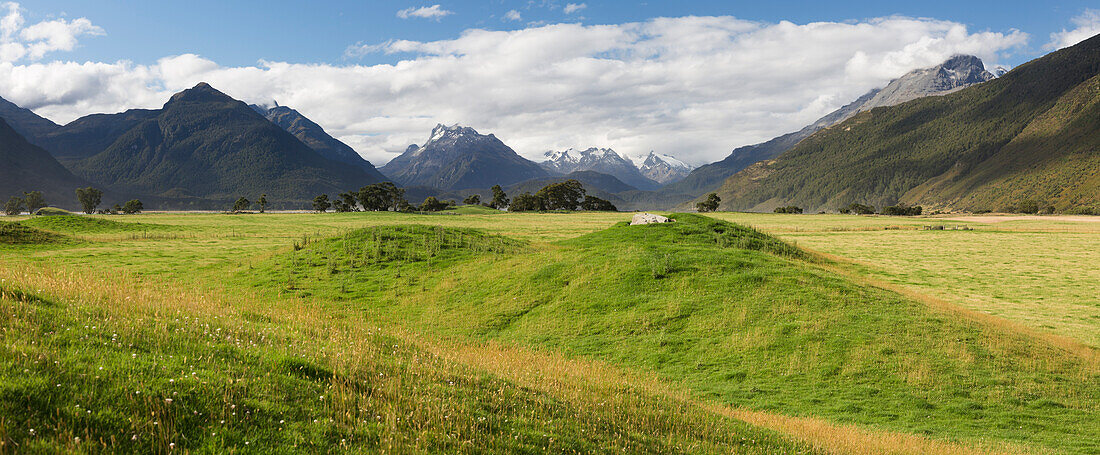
(663,168)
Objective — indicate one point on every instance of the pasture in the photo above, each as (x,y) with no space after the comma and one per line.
(476,331)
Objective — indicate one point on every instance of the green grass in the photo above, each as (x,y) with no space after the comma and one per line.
(547,320)
(474,210)
(86,225)
(19,235)
(81,379)
(737,317)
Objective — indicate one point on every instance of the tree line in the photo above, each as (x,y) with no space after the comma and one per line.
(89,198)
(385,196)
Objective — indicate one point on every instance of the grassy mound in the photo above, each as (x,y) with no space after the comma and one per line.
(86,225)
(52,211)
(133,380)
(741,318)
(18,234)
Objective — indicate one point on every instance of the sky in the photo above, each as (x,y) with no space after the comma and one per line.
(692,79)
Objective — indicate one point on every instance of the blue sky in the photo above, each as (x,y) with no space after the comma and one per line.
(689,79)
(243,32)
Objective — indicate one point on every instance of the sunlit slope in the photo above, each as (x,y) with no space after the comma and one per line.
(733,314)
(110,366)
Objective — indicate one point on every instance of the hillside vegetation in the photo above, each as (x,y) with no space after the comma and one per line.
(505,332)
(733,314)
(1030,135)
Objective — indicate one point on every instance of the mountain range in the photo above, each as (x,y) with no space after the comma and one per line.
(28,167)
(1032,134)
(954,74)
(312,135)
(202,144)
(458,157)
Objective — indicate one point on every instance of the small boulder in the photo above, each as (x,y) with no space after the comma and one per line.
(648,218)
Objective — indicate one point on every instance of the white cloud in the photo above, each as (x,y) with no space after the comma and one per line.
(571,8)
(35,41)
(425,12)
(692,87)
(1088,26)
(513,15)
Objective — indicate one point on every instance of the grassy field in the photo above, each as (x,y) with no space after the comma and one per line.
(484,331)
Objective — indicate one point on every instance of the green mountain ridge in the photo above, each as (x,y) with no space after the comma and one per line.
(1032,134)
(27,167)
(205,144)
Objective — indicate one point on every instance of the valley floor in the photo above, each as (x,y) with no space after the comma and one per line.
(562,332)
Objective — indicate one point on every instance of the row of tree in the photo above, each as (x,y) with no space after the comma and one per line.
(89,199)
(567,195)
(895,210)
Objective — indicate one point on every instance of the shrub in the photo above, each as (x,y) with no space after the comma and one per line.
(1028,206)
(788,209)
(473,199)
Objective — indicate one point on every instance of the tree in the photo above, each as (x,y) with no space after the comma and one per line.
(34,200)
(347,202)
(262,202)
(565,195)
(89,199)
(380,197)
(709,204)
(14,206)
(321,203)
(431,204)
(114,210)
(788,209)
(527,202)
(593,203)
(132,206)
(858,209)
(902,210)
(242,204)
(500,200)
(473,199)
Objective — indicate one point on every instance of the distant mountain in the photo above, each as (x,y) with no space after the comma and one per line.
(663,169)
(91,134)
(204,144)
(457,157)
(1032,134)
(24,121)
(27,167)
(601,160)
(956,73)
(316,138)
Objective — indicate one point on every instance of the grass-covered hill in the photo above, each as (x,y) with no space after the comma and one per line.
(208,145)
(734,315)
(1031,134)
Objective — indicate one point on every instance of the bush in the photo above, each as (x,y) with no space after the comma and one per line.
(788,209)
(1083,211)
(473,199)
